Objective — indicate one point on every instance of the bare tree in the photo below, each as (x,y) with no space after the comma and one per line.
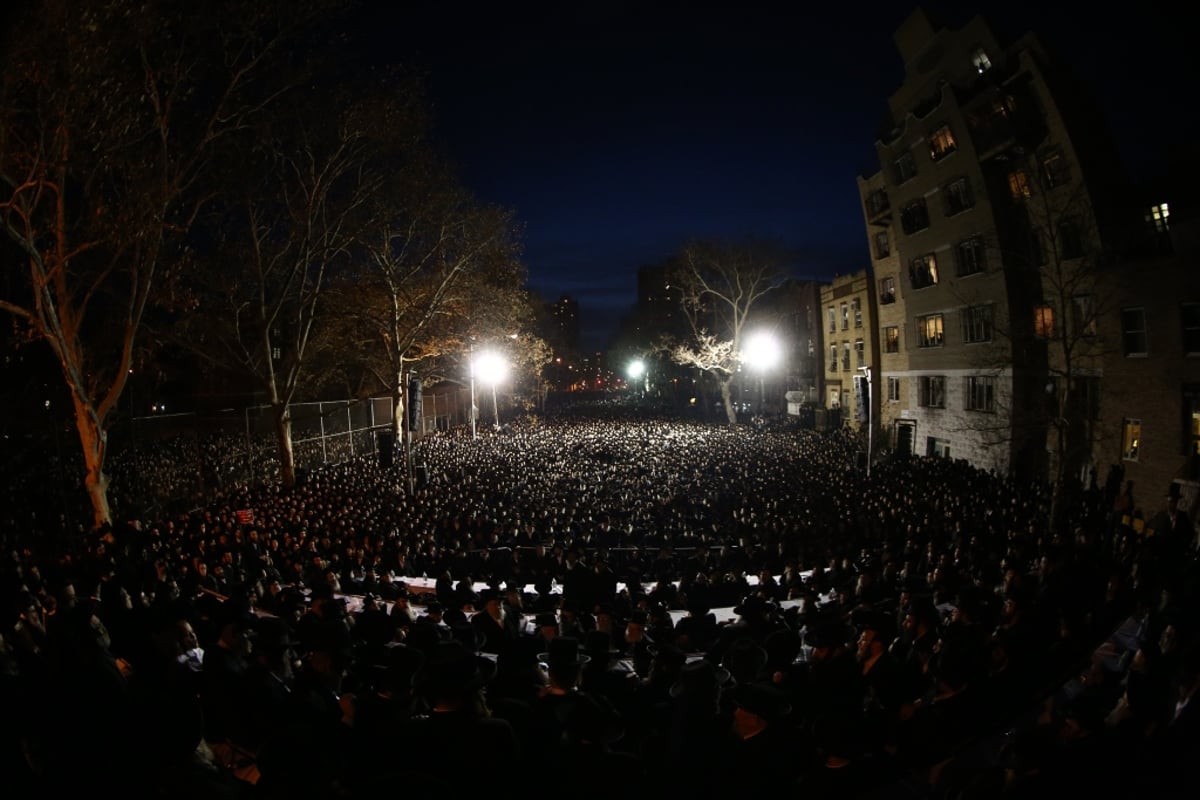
(109,121)
(719,285)
(258,300)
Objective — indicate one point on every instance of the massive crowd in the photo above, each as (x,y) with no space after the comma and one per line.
(602,604)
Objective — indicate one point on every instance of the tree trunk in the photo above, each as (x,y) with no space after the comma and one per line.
(727,399)
(283,437)
(94,439)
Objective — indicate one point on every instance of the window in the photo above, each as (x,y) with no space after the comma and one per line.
(938,448)
(980,60)
(1133,331)
(812,348)
(1085,397)
(860,353)
(845,317)
(833,358)
(1083,316)
(1159,218)
(832,320)
(882,246)
(1043,321)
(1069,239)
(929,331)
(958,197)
(887,291)
(1189,315)
(1054,169)
(931,391)
(971,256)
(856,305)
(846,356)
(1018,185)
(977,324)
(877,202)
(923,272)
(914,216)
(893,390)
(905,167)
(891,339)
(1131,439)
(941,143)
(980,391)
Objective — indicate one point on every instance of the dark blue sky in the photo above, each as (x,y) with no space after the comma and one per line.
(619,131)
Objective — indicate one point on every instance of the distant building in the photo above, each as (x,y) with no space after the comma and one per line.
(849,334)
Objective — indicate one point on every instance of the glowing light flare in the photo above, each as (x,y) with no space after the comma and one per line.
(762,351)
(490,367)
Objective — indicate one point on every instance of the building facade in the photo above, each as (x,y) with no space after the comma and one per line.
(989,218)
(849,328)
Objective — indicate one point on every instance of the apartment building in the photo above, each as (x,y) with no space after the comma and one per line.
(849,333)
(995,207)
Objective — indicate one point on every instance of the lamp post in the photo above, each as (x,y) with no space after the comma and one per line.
(637,370)
(870,416)
(762,352)
(491,368)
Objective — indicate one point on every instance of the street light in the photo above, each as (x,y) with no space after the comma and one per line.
(762,352)
(637,369)
(491,368)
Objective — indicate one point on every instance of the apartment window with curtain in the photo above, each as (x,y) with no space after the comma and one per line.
(930,332)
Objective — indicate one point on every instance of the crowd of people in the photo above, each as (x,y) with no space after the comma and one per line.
(603,604)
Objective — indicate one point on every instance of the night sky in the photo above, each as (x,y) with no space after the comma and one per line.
(618,132)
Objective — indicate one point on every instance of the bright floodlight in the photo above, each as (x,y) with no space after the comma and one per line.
(637,369)
(490,368)
(762,351)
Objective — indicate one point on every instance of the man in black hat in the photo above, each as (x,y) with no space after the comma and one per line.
(882,677)
(564,660)
(497,624)
(458,739)
(764,750)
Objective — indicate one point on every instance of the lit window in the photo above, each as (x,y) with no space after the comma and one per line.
(930,332)
(1043,321)
(958,197)
(1133,331)
(923,271)
(1159,218)
(931,391)
(980,393)
(977,324)
(1018,185)
(1189,314)
(891,339)
(887,291)
(971,256)
(980,61)
(893,390)
(845,317)
(941,143)
(1131,439)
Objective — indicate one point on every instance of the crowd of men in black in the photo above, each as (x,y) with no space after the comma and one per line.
(549,611)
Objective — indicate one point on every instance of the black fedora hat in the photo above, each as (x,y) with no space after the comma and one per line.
(564,650)
(450,667)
